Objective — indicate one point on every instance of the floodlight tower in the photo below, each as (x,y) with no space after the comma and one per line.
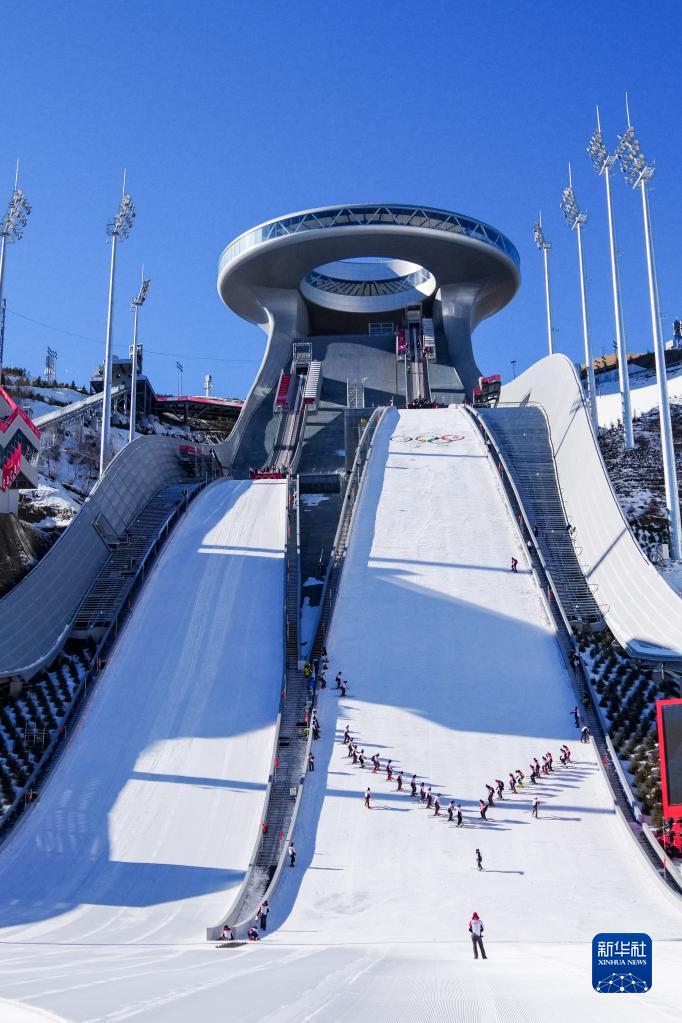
(575,218)
(638,172)
(137,303)
(603,161)
(11,230)
(119,229)
(544,247)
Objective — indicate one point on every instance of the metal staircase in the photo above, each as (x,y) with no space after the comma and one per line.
(104,599)
(522,438)
(292,740)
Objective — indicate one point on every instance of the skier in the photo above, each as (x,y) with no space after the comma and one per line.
(311,762)
(400,781)
(346,735)
(568,754)
(292,854)
(576,716)
(459,816)
(422,793)
(479,859)
(226,933)
(389,771)
(536,806)
(512,783)
(476,931)
(499,785)
(316,728)
(338,680)
(436,806)
(361,758)
(550,760)
(532,774)
(429,799)
(519,777)
(491,793)
(483,807)
(355,754)
(413,785)
(343,687)
(585,734)
(367,798)
(262,914)
(514,563)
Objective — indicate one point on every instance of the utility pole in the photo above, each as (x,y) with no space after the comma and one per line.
(638,172)
(118,229)
(603,161)
(544,246)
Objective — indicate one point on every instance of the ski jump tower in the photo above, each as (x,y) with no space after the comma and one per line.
(342,278)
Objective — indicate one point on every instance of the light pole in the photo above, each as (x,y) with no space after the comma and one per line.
(603,161)
(137,302)
(513,365)
(637,173)
(544,247)
(119,229)
(11,230)
(179,367)
(575,218)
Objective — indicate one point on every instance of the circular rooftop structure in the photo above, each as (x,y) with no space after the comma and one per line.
(369,259)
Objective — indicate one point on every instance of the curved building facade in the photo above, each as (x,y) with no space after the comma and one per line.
(341,278)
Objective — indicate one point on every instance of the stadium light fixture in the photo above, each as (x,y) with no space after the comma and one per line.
(136,305)
(638,171)
(12,230)
(576,219)
(544,246)
(603,161)
(118,229)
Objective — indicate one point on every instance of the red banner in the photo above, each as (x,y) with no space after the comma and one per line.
(11,468)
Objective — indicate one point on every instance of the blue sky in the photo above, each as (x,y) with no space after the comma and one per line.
(226,114)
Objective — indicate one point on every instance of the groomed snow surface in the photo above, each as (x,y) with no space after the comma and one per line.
(455,675)
(145,829)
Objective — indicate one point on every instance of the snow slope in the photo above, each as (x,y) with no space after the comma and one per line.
(454,673)
(145,829)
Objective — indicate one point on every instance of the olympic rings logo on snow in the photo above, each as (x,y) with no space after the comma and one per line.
(439,439)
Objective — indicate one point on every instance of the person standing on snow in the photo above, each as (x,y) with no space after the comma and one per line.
(451,810)
(436,806)
(367,798)
(519,777)
(479,859)
(491,793)
(512,783)
(400,781)
(585,734)
(514,564)
(413,785)
(422,793)
(262,914)
(476,932)
(346,734)
(429,799)
(483,808)
(536,807)
(459,816)
(292,854)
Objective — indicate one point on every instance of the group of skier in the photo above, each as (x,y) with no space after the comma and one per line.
(517,778)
